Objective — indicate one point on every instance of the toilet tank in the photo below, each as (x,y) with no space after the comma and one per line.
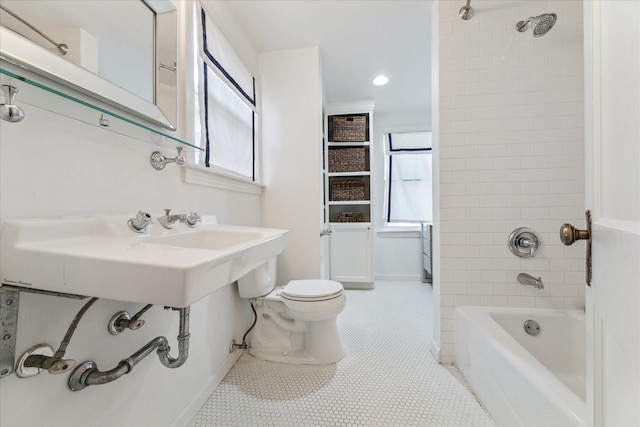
(258,282)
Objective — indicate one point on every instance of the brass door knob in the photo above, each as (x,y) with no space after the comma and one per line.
(569,234)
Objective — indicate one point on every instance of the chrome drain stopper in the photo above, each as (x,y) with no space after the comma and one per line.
(532,327)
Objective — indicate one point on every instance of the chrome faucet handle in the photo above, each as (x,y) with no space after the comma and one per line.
(193,218)
(140,222)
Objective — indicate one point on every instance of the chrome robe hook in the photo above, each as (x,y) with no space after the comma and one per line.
(9,111)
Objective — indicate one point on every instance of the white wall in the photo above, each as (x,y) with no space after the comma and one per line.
(398,255)
(291,85)
(510,154)
(50,166)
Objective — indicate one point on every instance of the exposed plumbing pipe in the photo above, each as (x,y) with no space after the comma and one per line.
(244,344)
(88,373)
(183,343)
(56,364)
(466,12)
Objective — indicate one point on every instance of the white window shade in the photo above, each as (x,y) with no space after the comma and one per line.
(228,103)
(220,56)
(410,193)
(408,142)
(408,177)
(229,128)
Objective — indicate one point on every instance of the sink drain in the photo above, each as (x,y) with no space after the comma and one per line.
(532,327)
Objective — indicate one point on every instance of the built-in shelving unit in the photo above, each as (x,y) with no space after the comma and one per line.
(347,182)
(348,174)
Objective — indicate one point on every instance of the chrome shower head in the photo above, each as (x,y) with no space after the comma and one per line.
(466,12)
(541,24)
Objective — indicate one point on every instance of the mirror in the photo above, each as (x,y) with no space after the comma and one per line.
(120,52)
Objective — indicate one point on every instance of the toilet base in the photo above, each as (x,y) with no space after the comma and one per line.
(322,346)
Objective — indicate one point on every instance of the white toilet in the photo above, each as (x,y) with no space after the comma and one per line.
(295,323)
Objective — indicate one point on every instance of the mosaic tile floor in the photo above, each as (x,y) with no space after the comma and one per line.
(387,378)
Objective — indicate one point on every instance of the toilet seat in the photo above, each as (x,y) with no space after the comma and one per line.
(312,290)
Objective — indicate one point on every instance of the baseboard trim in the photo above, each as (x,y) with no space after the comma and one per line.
(400,277)
(192,409)
(358,285)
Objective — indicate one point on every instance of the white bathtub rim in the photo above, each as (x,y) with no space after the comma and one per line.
(541,377)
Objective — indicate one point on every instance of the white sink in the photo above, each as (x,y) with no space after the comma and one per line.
(100,256)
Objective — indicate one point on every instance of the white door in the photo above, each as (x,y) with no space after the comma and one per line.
(351,253)
(612,97)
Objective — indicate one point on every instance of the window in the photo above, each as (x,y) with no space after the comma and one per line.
(227,109)
(408,177)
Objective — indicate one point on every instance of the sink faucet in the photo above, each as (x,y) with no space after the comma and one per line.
(169,220)
(527,279)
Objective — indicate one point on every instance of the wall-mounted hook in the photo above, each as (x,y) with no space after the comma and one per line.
(159,161)
(9,111)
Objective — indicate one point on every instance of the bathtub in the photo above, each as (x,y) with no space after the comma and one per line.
(521,379)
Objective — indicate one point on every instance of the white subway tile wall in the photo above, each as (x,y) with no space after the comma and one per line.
(511,155)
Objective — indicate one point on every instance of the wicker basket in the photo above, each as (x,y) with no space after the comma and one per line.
(354,128)
(349,216)
(347,160)
(344,190)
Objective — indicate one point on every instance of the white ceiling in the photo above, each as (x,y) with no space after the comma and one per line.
(358,40)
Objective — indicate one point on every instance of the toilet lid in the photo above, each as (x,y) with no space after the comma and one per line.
(312,290)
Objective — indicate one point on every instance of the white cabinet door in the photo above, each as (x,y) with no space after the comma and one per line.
(351,253)
(613,195)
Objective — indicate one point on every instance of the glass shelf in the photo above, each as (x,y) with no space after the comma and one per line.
(42,96)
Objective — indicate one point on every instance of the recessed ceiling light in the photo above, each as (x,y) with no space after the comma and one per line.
(381,80)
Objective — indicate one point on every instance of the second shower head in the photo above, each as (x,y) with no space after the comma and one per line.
(541,24)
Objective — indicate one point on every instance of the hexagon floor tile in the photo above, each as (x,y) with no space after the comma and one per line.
(387,378)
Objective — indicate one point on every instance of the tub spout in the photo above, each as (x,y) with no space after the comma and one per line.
(527,279)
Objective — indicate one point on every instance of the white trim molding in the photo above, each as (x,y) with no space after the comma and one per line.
(196,174)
